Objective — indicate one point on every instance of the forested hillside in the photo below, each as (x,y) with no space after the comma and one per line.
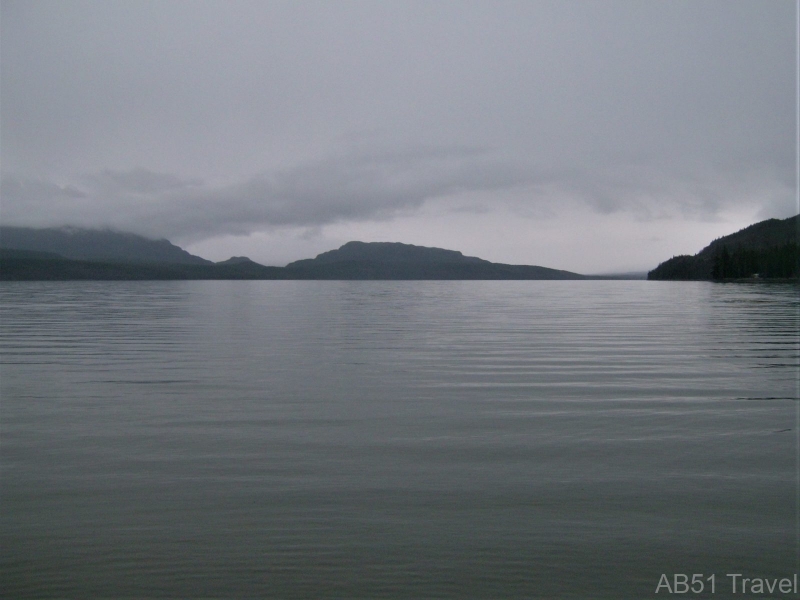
(767,250)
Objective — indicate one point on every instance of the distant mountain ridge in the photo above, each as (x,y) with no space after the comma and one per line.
(768,249)
(70,253)
(236,260)
(387,252)
(102,245)
(394,260)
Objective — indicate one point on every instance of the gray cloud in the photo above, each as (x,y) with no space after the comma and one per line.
(138,181)
(374,185)
(203,118)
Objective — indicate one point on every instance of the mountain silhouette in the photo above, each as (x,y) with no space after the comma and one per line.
(101,245)
(766,250)
(393,260)
(71,253)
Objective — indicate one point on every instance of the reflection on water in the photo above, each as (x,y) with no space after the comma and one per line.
(394,439)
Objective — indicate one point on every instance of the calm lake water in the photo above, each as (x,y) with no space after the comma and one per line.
(298,439)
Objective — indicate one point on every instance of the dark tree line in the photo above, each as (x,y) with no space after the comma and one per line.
(775,262)
(768,250)
(738,262)
(683,267)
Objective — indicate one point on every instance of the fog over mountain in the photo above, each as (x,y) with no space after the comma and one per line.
(96,245)
(590,136)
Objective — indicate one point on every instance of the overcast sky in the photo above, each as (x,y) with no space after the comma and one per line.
(594,136)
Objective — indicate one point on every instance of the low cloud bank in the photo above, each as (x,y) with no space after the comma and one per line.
(376,186)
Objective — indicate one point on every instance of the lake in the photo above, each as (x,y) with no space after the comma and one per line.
(384,439)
